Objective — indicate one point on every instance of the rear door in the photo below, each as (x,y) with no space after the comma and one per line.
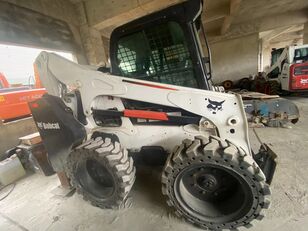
(299,70)
(299,76)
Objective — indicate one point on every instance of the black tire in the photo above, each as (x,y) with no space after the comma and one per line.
(101,172)
(228,202)
(227,84)
(10,152)
(244,84)
(274,88)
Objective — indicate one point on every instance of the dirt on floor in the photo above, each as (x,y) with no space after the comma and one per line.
(34,206)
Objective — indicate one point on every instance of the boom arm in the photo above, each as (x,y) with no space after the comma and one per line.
(225,111)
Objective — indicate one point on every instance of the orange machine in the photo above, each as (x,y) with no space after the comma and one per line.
(14,100)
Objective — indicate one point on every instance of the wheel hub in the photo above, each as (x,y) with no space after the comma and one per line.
(207,182)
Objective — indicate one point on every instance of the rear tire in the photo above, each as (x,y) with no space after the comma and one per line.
(244,84)
(227,84)
(101,172)
(214,184)
(273,88)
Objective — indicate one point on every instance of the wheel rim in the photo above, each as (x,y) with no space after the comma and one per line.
(227,85)
(95,179)
(213,193)
(267,89)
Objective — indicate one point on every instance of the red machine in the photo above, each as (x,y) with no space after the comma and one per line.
(14,100)
(299,76)
(289,69)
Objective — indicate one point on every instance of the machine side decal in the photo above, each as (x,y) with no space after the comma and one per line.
(214,106)
(146,114)
(149,85)
(48,126)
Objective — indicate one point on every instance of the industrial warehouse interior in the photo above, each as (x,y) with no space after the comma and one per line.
(153,115)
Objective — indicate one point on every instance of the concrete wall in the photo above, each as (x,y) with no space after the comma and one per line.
(235,59)
(54,25)
(91,38)
(59,9)
(27,27)
(10,132)
(306,33)
(102,14)
(75,34)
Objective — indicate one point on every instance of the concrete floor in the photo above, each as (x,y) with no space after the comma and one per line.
(33,205)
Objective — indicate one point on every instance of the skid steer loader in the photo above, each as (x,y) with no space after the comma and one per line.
(91,121)
(289,69)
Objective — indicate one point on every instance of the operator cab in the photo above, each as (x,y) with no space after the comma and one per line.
(301,55)
(162,47)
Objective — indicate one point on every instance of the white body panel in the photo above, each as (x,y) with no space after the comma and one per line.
(284,77)
(229,118)
(166,137)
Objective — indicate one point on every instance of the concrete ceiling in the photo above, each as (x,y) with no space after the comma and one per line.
(290,34)
(212,4)
(252,9)
(236,18)
(76,1)
(223,19)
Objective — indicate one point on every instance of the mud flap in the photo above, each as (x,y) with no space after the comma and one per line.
(265,158)
(59,129)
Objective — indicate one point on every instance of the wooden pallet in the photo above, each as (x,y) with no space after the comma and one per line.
(31,139)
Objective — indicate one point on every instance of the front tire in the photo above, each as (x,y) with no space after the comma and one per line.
(213,184)
(101,172)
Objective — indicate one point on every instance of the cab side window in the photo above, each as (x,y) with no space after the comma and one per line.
(159,54)
(274,73)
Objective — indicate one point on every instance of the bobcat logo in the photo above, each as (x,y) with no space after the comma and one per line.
(214,106)
(48,126)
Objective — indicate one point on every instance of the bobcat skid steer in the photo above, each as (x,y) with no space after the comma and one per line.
(289,69)
(92,121)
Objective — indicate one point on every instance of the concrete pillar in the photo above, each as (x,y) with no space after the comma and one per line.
(306,33)
(260,56)
(79,51)
(235,58)
(91,39)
